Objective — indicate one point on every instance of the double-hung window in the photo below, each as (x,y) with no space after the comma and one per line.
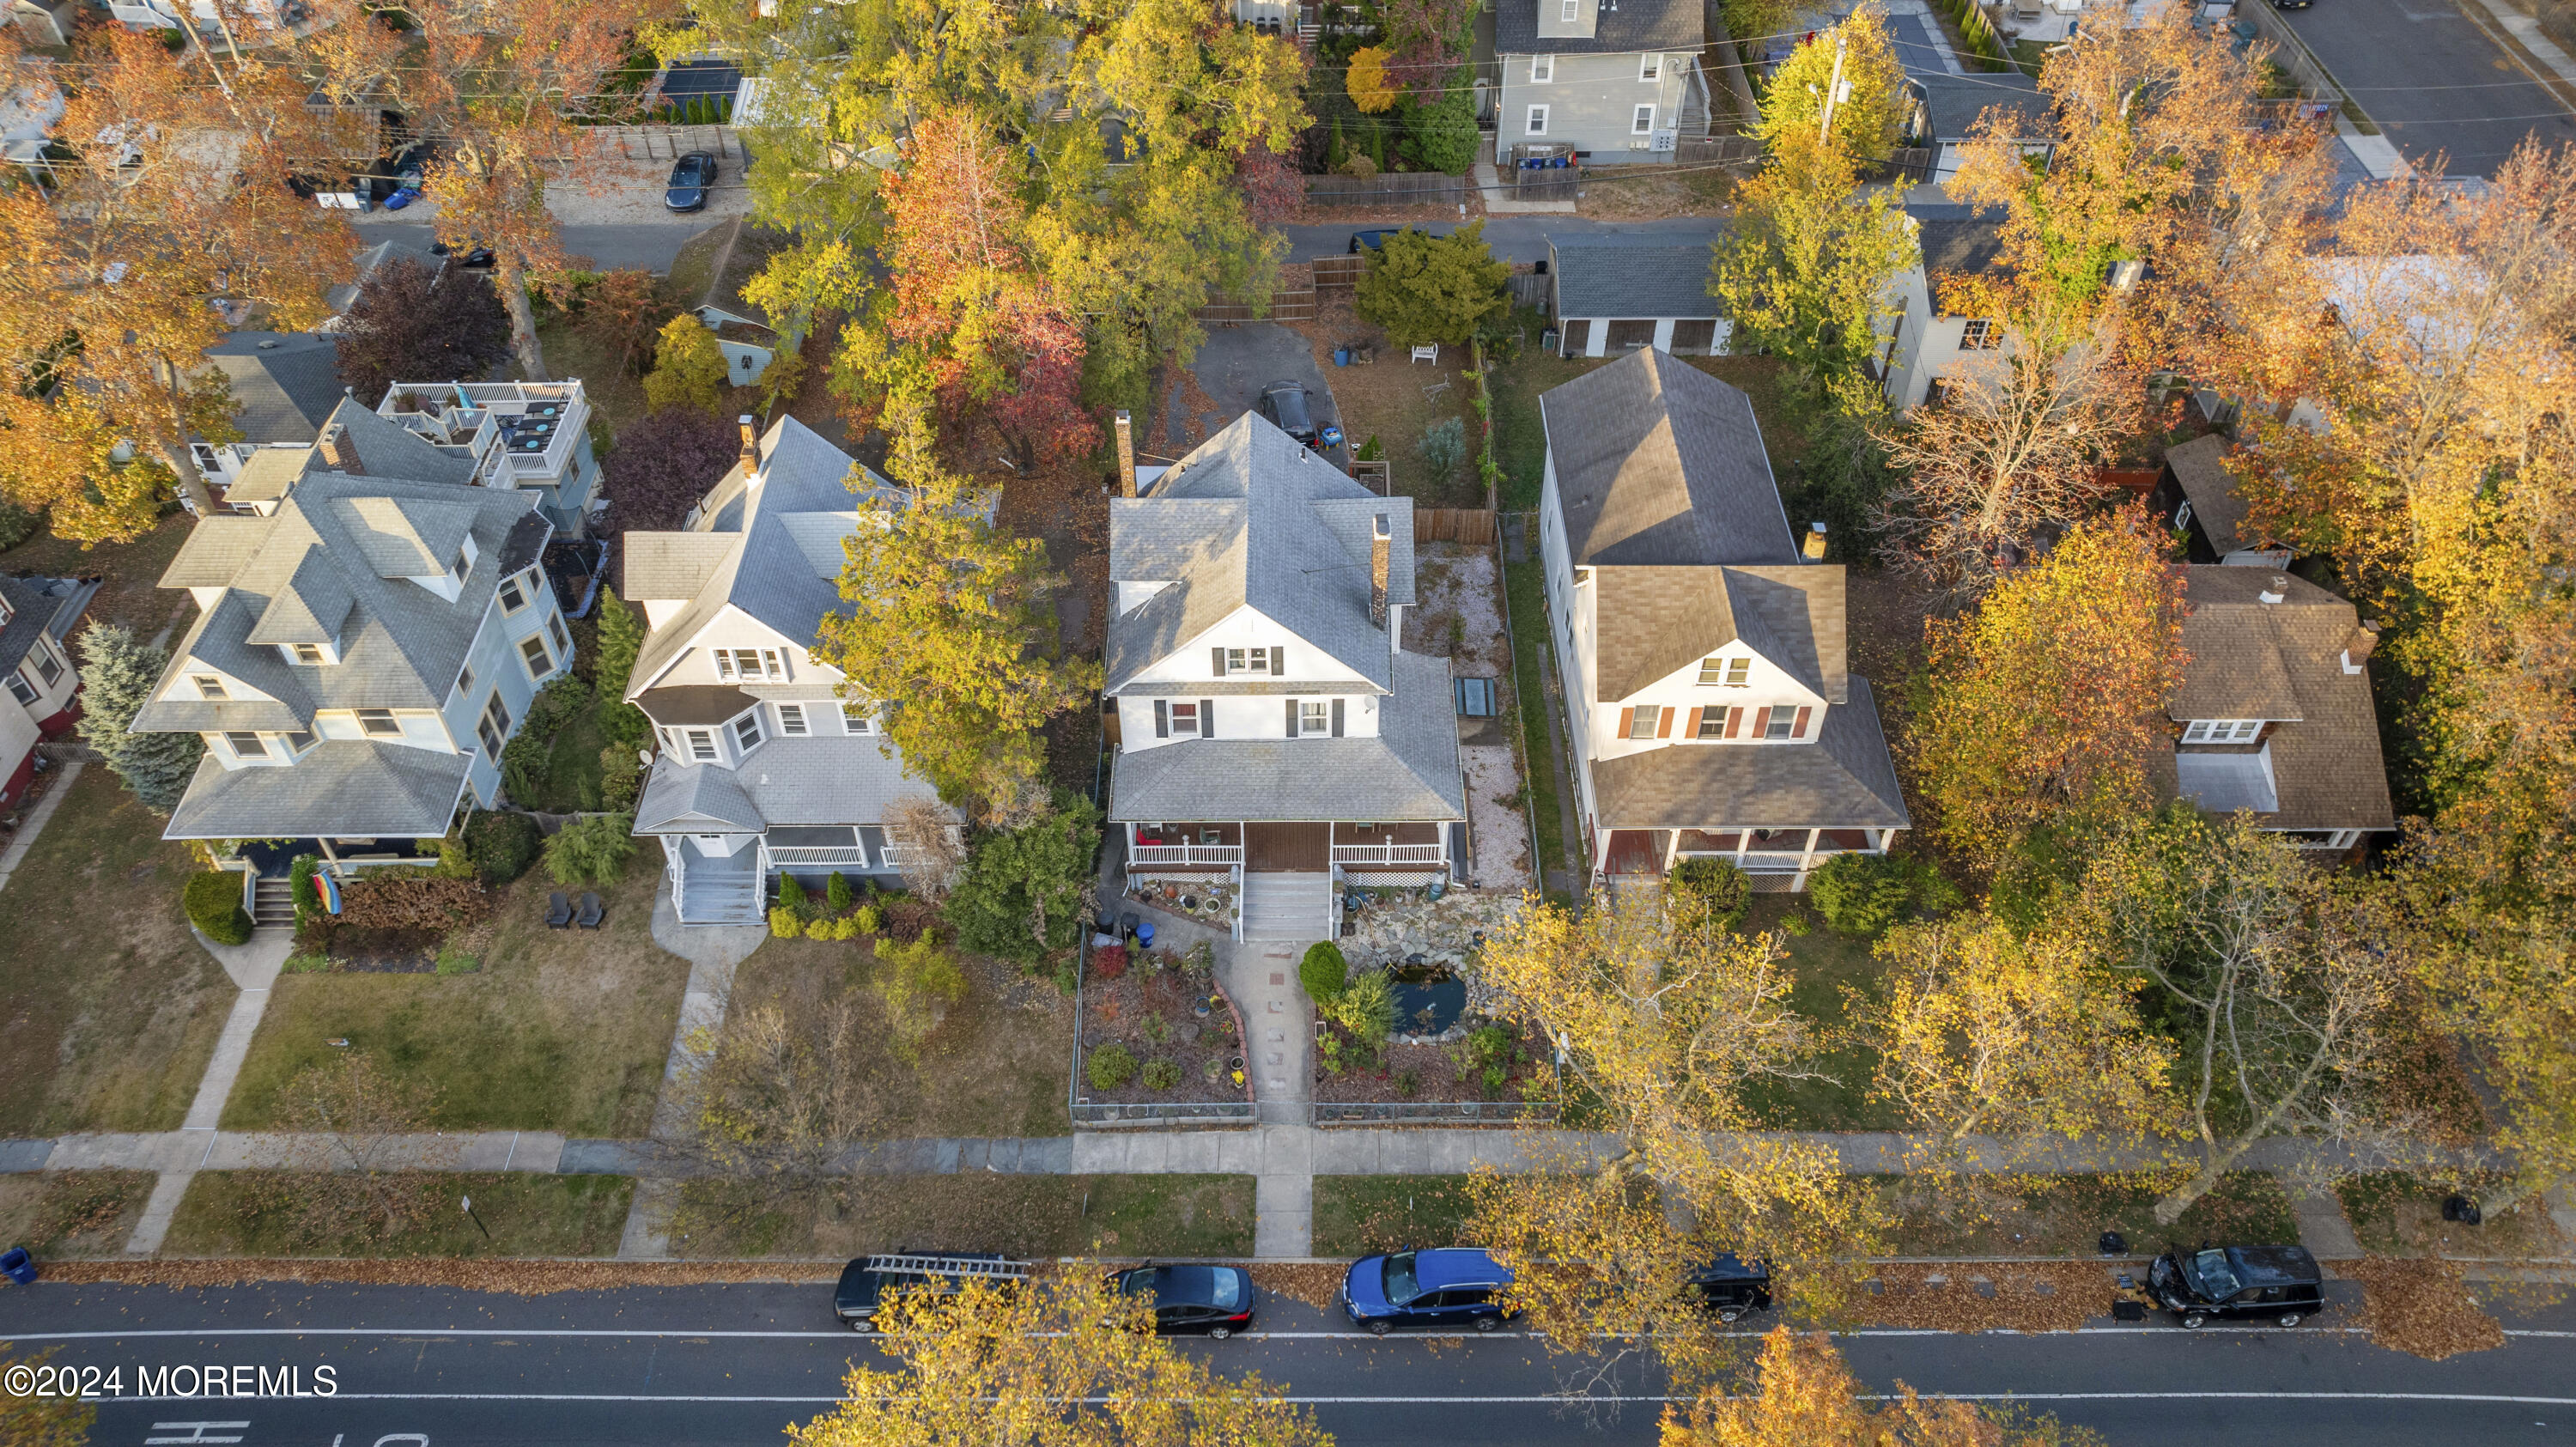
(1712,723)
(1642,722)
(297,742)
(308,652)
(1314,716)
(791,720)
(702,746)
(1725,672)
(1643,122)
(246,746)
(1650,69)
(20,689)
(48,667)
(494,727)
(1542,69)
(750,665)
(380,723)
(555,631)
(532,650)
(1568,11)
(465,679)
(514,596)
(746,731)
(1185,720)
(1783,724)
(1977,335)
(1537,121)
(856,719)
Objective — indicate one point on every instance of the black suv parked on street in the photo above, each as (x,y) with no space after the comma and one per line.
(2281,1283)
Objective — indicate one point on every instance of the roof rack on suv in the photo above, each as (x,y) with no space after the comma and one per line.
(997,1268)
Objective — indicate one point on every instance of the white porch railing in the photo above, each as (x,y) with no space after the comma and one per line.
(797,857)
(1764,862)
(1387,854)
(1183,854)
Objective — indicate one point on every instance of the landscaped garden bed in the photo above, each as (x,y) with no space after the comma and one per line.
(1402,1016)
(1211,902)
(1156,1027)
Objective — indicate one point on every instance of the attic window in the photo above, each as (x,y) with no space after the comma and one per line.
(749,665)
(2222,730)
(307,652)
(209,686)
(1725,672)
(246,746)
(379,723)
(1567,10)
(1977,335)
(464,563)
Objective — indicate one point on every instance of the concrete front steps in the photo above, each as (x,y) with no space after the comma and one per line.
(1287,906)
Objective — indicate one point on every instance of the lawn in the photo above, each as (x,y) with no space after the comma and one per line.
(1825,963)
(528,1215)
(1396,402)
(64,1214)
(995,1066)
(113,1007)
(616,395)
(129,571)
(570,784)
(1533,664)
(1520,441)
(1356,1215)
(2397,1214)
(562,1030)
(1037,1216)
(2066,1215)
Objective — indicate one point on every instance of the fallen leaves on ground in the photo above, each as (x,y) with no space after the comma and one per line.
(1968,1296)
(1316,1283)
(524,1278)
(2421,1307)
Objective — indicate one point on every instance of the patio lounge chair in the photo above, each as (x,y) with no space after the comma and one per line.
(558,910)
(590,910)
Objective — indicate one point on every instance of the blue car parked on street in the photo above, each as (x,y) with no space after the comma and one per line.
(1450,1288)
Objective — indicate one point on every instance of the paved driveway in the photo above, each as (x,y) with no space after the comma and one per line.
(2432,80)
(1237,362)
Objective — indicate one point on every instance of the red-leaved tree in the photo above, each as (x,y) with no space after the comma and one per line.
(659,465)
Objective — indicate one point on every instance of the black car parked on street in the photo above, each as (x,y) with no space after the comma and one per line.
(691,179)
(2279,1283)
(1729,1287)
(866,1280)
(1215,1301)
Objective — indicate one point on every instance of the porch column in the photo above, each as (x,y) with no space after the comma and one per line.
(1743,841)
(1807,857)
(1672,846)
(331,857)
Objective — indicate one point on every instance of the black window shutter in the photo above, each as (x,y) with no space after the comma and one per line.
(1216,659)
(1337,718)
(1207,718)
(1278,662)
(1292,718)
(1162,719)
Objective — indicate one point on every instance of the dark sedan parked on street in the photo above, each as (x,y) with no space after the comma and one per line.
(691,180)
(1215,1301)
(2279,1282)
(1450,1287)
(1728,1287)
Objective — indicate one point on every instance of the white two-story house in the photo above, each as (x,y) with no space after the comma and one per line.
(36,619)
(364,647)
(1271,726)
(1702,657)
(763,768)
(1618,80)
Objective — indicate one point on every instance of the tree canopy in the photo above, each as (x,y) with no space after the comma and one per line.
(1424,289)
(413,323)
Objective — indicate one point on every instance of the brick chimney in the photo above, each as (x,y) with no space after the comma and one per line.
(1126,454)
(1381,546)
(2363,643)
(750,443)
(337,452)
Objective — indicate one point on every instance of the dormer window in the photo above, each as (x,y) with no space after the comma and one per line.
(209,686)
(246,746)
(513,597)
(746,731)
(750,665)
(297,742)
(1725,672)
(379,723)
(2222,730)
(306,652)
(464,563)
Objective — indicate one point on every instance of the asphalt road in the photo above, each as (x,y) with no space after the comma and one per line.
(1513,238)
(648,244)
(414,1367)
(2432,80)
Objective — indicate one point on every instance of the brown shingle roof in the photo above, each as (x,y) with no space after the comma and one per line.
(2200,466)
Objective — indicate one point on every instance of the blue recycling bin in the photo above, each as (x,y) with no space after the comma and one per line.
(18,1266)
(1145,934)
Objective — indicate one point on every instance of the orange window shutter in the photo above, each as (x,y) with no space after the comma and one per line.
(1734,721)
(1627,716)
(1693,731)
(1664,725)
(1800,730)
(1761,721)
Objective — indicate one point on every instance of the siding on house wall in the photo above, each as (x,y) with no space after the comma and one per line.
(496,664)
(1926,345)
(1591,101)
(1310,673)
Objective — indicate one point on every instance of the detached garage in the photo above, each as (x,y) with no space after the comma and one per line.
(1615,294)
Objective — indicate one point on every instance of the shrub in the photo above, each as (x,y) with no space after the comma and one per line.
(1023,890)
(1861,895)
(412,901)
(819,928)
(308,895)
(1366,1008)
(784,924)
(1109,1067)
(214,906)
(457,962)
(454,860)
(1715,885)
(528,757)
(1444,132)
(869,919)
(1444,446)
(688,368)
(621,783)
(592,850)
(1797,923)
(17,524)
(791,894)
(1323,972)
(502,844)
(836,892)
(1108,962)
(1162,1074)
(918,983)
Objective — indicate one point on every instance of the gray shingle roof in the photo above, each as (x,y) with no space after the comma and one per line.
(2200,466)
(286,390)
(1253,518)
(346,787)
(1631,277)
(269,474)
(1952,104)
(1633,25)
(767,564)
(1408,772)
(1654,622)
(784,781)
(40,607)
(1956,238)
(400,645)
(386,448)
(1843,780)
(1661,464)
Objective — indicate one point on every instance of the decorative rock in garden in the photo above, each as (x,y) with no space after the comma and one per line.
(1442,932)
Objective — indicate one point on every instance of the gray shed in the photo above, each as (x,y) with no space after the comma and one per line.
(1617,293)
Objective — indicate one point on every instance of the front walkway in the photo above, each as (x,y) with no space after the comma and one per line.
(713,952)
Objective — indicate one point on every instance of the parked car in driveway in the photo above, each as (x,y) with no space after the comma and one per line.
(1215,1301)
(1729,1287)
(1450,1287)
(1284,403)
(2281,1283)
(691,179)
(866,1280)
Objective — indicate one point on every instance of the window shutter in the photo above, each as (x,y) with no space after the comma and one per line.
(1337,718)
(1278,661)
(1693,731)
(1799,730)
(1627,716)
(1292,718)
(1734,721)
(1761,722)
(1162,719)
(1664,725)
(1216,661)
(1207,718)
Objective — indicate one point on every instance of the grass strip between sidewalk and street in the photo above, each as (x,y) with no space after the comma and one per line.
(527,1215)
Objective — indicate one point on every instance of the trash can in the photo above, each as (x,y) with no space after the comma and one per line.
(1145,934)
(1341,356)
(18,1266)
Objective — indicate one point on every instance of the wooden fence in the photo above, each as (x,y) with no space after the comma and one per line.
(1285,306)
(1528,288)
(1717,150)
(1471,525)
(1337,272)
(666,143)
(1409,189)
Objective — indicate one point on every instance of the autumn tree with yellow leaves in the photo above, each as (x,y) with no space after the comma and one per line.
(1805,1396)
(1665,1019)
(1061,1359)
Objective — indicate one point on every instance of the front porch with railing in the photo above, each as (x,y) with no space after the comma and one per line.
(1778,860)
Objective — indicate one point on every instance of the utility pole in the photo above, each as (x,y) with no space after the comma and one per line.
(1834,90)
